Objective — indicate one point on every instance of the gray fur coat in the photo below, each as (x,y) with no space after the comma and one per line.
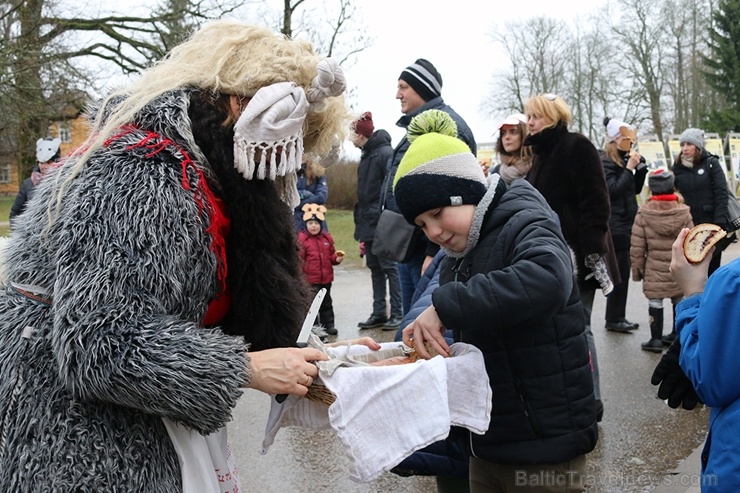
(85,381)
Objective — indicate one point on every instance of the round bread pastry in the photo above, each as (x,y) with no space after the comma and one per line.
(700,241)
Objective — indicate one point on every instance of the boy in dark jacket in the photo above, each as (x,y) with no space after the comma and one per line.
(507,286)
(318,259)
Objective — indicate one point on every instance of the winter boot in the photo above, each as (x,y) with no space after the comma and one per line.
(669,338)
(655,344)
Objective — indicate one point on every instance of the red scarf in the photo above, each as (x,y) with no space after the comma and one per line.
(666,197)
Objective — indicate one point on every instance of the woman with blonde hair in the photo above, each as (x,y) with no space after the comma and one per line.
(567,171)
(157,276)
(625,171)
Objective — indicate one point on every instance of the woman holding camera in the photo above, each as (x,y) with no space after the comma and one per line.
(625,171)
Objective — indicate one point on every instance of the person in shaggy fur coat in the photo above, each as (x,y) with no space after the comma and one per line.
(155,275)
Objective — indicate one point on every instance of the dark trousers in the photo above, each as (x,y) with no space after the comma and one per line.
(409,274)
(616,301)
(326,312)
(587,300)
(383,272)
(715,262)
(563,477)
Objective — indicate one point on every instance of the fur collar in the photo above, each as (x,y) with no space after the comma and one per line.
(496,189)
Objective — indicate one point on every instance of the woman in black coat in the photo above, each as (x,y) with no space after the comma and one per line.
(567,171)
(625,171)
(701,180)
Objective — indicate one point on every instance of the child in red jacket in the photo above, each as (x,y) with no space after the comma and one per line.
(319,258)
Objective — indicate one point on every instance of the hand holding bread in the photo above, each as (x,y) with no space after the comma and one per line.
(700,241)
(690,277)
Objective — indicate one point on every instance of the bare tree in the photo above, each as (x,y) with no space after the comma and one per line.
(335,28)
(537,49)
(644,39)
(40,50)
(595,84)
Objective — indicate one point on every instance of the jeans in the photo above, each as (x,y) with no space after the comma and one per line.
(409,275)
(382,270)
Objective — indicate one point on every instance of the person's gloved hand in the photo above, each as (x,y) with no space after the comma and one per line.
(674,384)
(597,265)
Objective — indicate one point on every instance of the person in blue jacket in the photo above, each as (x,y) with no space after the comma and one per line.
(707,327)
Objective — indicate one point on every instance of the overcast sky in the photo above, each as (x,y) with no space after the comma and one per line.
(454,37)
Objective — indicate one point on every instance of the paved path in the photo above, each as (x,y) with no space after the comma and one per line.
(643,445)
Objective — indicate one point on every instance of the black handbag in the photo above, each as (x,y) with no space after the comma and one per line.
(395,239)
(733,213)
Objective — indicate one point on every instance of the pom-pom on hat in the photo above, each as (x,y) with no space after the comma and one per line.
(693,136)
(364,125)
(438,169)
(423,78)
(660,182)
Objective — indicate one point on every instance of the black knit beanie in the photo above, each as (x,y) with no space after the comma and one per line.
(423,78)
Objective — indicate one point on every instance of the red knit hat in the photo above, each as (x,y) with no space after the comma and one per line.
(364,125)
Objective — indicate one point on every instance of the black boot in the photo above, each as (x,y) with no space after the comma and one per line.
(655,344)
(669,338)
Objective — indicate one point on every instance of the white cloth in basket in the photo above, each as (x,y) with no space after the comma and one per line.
(383,414)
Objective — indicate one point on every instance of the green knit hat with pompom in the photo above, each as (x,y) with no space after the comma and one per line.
(438,169)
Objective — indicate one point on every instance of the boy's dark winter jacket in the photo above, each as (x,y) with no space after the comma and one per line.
(514,296)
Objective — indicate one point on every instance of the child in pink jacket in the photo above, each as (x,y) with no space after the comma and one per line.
(656,226)
(319,258)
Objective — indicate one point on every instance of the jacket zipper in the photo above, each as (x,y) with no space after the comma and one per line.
(17,380)
(527,407)
(456,270)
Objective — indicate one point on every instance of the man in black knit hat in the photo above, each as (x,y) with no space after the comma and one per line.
(419,89)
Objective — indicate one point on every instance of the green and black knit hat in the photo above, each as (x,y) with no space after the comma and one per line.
(438,169)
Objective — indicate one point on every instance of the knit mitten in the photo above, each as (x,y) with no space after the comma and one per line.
(597,264)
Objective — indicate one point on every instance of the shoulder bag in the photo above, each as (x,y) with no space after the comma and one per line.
(395,239)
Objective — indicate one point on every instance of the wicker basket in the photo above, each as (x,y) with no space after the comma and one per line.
(319,393)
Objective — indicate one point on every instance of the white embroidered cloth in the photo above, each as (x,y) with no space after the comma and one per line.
(382,414)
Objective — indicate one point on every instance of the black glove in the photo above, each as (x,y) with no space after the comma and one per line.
(674,384)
